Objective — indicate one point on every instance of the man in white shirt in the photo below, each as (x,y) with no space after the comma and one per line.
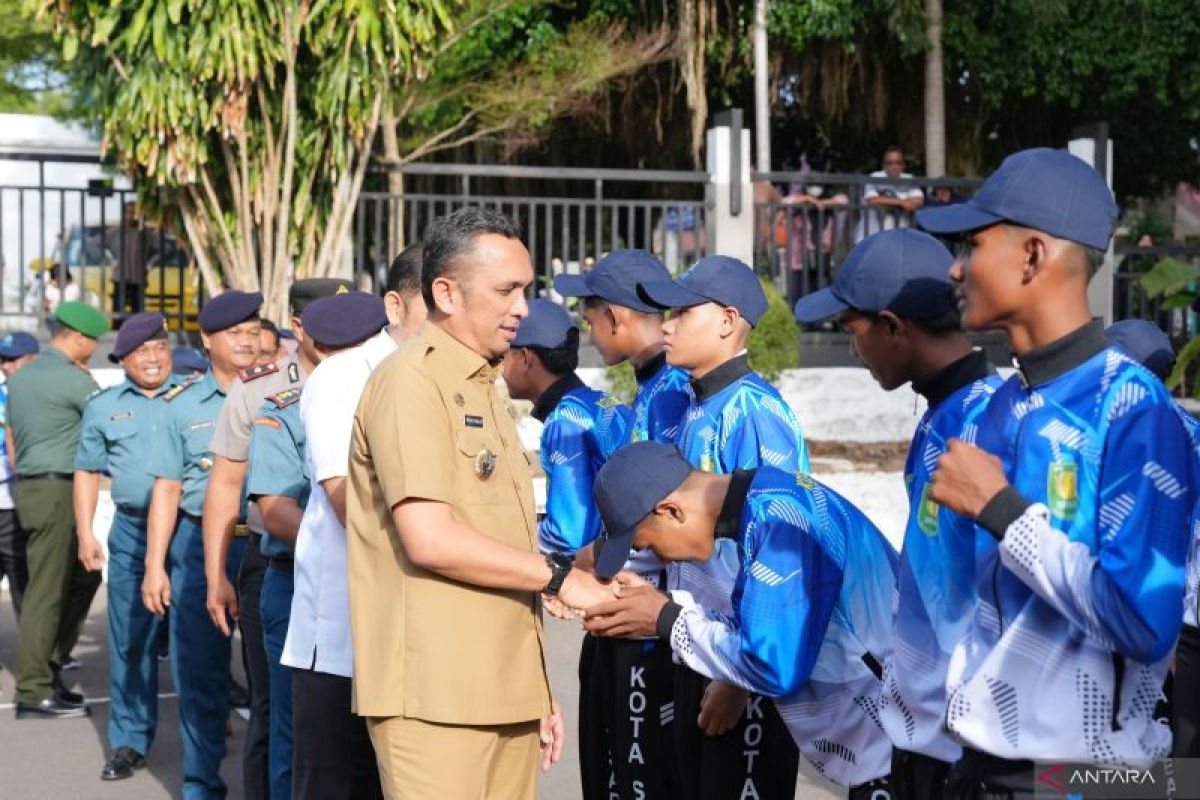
(332,754)
(888,206)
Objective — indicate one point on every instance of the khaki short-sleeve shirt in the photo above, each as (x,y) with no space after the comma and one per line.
(432,425)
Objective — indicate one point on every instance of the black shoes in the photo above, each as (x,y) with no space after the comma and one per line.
(122,764)
(71,663)
(65,695)
(52,708)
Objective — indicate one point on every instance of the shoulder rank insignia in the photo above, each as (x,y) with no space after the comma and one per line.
(258,371)
(268,422)
(178,390)
(286,397)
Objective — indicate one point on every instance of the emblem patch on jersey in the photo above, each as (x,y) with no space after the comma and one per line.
(608,401)
(286,397)
(1062,489)
(485,464)
(927,512)
(804,481)
(637,436)
(267,422)
(258,371)
(706,463)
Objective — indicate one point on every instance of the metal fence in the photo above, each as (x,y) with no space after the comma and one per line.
(65,235)
(805,223)
(569,217)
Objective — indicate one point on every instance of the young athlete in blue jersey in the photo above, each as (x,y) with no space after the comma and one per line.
(581,426)
(626,752)
(736,421)
(809,619)
(894,297)
(1081,482)
(1146,343)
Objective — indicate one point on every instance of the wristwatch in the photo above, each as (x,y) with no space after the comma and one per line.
(560,566)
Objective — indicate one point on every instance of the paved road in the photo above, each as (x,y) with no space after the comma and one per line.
(42,760)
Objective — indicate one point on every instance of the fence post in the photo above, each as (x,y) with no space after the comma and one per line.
(730,223)
(1091,143)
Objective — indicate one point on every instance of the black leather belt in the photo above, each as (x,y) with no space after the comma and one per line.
(282,563)
(47,476)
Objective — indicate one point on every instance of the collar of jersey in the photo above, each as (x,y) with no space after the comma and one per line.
(946,381)
(648,370)
(550,398)
(1043,364)
(733,369)
(729,521)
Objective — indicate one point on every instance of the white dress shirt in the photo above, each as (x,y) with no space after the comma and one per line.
(318,635)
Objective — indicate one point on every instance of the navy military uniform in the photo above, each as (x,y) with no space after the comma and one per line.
(277,468)
(199,652)
(121,428)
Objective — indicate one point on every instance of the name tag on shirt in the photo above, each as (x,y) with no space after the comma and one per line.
(124,415)
(473,421)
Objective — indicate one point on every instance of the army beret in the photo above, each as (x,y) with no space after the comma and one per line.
(136,331)
(17,344)
(187,359)
(83,318)
(344,319)
(307,290)
(228,309)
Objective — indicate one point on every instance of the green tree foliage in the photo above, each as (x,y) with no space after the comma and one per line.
(775,341)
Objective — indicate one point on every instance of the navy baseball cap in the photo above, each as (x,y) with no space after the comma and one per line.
(715,279)
(229,308)
(1048,190)
(615,278)
(904,271)
(17,344)
(627,488)
(186,359)
(345,319)
(136,331)
(1145,343)
(546,326)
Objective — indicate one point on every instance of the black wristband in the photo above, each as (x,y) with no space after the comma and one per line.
(666,619)
(1005,508)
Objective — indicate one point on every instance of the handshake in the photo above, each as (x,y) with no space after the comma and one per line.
(626,606)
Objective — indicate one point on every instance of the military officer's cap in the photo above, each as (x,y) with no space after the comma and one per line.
(82,318)
(228,309)
(17,344)
(344,319)
(136,331)
(306,291)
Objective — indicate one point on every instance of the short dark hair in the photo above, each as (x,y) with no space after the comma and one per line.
(447,237)
(940,325)
(404,275)
(599,304)
(560,361)
(1093,260)
(270,327)
(894,148)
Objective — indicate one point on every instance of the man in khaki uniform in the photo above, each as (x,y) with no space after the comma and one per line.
(444,572)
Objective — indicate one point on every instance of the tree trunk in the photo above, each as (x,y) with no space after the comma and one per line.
(395,184)
(693,27)
(935,101)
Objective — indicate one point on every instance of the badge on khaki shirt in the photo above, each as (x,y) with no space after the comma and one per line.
(485,464)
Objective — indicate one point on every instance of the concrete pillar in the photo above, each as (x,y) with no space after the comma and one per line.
(730,219)
(1091,143)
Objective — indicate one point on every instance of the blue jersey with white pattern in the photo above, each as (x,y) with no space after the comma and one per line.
(745,425)
(811,614)
(1191,597)
(578,436)
(1078,603)
(277,466)
(659,406)
(936,584)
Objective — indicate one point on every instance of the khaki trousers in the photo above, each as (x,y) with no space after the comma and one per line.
(422,760)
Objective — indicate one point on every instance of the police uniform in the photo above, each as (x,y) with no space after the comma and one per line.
(277,468)
(736,421)
(122,426)
(626,698)
(46,399)
(231,440)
